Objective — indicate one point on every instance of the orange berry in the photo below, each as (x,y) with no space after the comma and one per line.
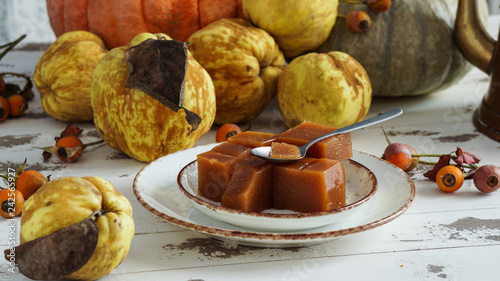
(398,154)
(227,130)
(358,21)
(378,6)
(449,178)
(414,159)
(70,148)
(3,86)
(4,109)
(11,202)
(29,182)
(17,105)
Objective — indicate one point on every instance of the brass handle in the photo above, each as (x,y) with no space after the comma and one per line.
(474,42)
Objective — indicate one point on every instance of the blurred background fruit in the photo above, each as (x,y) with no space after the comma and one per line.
(244,63)
(64,72)
(332,89)
(296,25)
(408,50)
(117,22)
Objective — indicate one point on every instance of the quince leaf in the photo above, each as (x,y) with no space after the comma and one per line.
(464,157)
(444,160)
(158,68)
(58,254)
(71,130)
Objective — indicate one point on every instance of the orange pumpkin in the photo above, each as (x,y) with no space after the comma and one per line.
(118,21)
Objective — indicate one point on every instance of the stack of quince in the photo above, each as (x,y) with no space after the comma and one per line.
(245,59)
(228,73)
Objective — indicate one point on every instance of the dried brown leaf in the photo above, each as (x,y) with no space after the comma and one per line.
(444,160)
(71,130)
(46,156)
(58,254)
(464,157)
(158,68)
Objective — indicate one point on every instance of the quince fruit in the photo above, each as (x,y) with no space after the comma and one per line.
(244,63)
(131,120)
(328,88)
(64,72)
(66,201)
(297,25)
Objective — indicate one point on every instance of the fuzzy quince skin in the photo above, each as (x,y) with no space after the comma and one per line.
(297,25)
(68,200)
(244,63)
(63,75)
(131,121)
(328,88)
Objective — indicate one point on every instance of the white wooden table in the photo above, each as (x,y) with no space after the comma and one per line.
(440,237)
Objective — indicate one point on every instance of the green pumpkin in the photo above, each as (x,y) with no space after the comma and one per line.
(408,50)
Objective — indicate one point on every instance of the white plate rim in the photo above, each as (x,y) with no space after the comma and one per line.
(269,237)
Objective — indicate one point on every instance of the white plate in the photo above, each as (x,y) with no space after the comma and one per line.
(155,187)
(360,187)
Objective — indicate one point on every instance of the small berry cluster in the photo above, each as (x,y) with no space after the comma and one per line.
(449,171)
(13,99)
(359,21)
(21,184)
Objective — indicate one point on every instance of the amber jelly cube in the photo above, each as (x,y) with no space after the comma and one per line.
(314,186)
(250,188)
(252,139)
(338,147)
(214,172)
(238,151)
(283,150)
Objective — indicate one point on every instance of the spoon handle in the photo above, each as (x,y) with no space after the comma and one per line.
(365,123)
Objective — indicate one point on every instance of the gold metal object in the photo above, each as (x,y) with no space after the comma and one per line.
(482,51)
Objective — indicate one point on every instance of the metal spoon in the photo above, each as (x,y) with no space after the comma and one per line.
(263,151)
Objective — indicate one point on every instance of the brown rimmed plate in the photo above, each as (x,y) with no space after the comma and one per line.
(156,189)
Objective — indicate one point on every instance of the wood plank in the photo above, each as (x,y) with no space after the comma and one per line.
(440,264)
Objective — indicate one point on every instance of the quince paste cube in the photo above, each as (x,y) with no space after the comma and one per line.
(309,185)
(283,150)
(214,172)
(215,168)
(252,139)
(240,152)
(338,147)
(250,188)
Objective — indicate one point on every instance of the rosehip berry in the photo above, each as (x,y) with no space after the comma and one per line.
(227,130)
(358,21)
(378,6)
(414,159)
(70,148)
(449,178)
(487,178)
(29,182)
(11,202)
(398,154)
(17,105)
(4,109)
(3,86)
